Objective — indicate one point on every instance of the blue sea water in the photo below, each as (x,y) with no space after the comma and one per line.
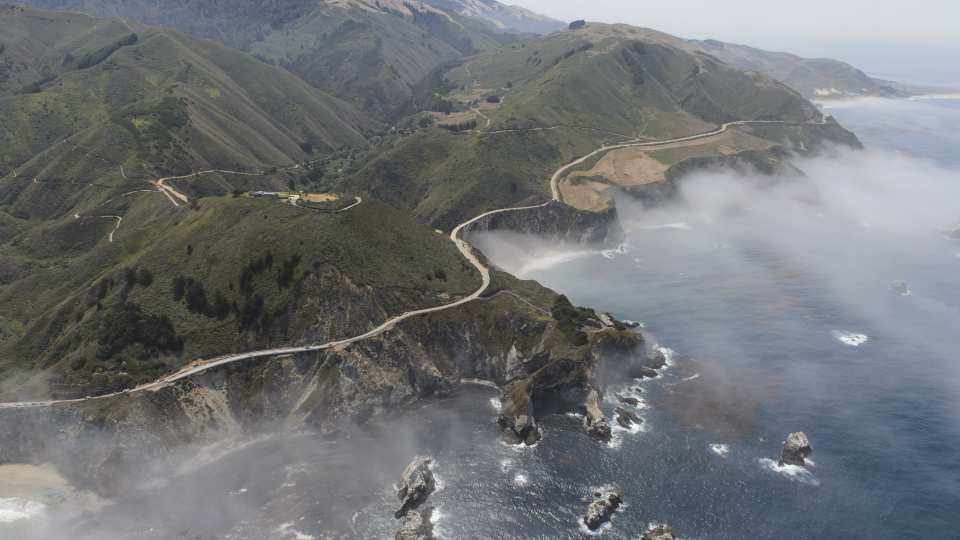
(763,312)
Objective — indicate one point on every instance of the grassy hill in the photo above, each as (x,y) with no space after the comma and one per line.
(232,274)
(368,52)
(87,96)
(527,109)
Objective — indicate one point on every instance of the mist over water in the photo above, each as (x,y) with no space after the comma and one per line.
(828,305)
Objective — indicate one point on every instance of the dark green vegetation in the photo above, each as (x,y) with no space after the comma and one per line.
(233,274)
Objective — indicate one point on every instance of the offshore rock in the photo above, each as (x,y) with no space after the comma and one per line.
(415,486)
(516,416)
(627,419)
(627,400)
(416,525)
(593,420)
(601,510)
(660,532)
(648,366)
(795,450)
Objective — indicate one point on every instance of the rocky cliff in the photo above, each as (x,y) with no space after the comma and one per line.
(502,339)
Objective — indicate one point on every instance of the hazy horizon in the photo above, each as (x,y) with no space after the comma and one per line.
(916,45)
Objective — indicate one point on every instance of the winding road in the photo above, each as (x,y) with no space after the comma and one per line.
(465,248)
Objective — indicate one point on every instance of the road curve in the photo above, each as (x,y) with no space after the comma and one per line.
(465,248)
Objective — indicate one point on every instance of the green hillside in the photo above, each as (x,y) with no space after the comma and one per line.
(109,93)
(368,52)
(554,98)
(233,274)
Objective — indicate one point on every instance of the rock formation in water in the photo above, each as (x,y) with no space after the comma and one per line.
(416,485)
(593,420)
(627,419)
(602,509)
(416,525)
(648,367)
(795,450)
(660,532)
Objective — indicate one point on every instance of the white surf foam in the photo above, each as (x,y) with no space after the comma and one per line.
(16,509)
(851,339)
(668,354)
(792,472)
(722,450)
(679,226)
(521,480)
(495,404)
(289,532)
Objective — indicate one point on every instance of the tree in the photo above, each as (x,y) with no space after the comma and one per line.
(576,25)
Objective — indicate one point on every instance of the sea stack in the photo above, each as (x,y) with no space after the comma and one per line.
(415,486)
(593,420)
(795,450)
(601,510)
(416,525)
(660,532)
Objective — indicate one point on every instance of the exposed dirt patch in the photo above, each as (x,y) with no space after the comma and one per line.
(320,197)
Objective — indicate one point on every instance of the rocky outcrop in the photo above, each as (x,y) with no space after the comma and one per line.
(647,367)
(416,484)
(593,419)
(660,532)
(796,449)
(557,221)
(416,525)
(627,419)
(602,509)
(499,339)
(516,416)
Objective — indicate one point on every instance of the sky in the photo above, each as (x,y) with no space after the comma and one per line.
(918,39)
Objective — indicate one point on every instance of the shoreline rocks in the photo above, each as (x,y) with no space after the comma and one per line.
(795,450)
(660,532)
(593,420)
(627,419)
(602,509)
(649,367)
(416,485)
(416,525)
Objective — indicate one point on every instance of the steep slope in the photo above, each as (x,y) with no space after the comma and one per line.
(369,52)
(501,15)
(521,112)
(814,78)
(85,96)
(111,277)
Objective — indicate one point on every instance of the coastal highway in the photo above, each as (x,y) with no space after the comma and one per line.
(463,246)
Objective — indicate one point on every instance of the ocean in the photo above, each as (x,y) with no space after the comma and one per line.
(832,311)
